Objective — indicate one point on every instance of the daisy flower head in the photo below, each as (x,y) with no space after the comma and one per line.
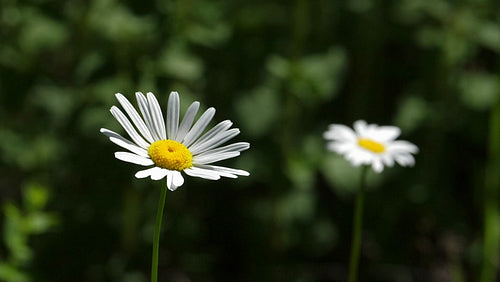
(370,144)
(171,146)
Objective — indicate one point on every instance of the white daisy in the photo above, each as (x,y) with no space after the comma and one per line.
(370,144)
(176,147)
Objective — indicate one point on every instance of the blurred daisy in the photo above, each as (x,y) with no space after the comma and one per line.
(177,147)
(370,144)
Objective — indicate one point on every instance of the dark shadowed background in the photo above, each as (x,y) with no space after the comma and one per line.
(281,71)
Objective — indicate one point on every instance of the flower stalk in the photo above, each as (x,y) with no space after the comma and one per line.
(156,237)
(491,213)
(357,228)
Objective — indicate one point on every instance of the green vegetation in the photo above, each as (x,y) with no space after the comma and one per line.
(281,71)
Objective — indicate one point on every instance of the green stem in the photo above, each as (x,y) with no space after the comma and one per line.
(357,228)
(156,238)
(491,240)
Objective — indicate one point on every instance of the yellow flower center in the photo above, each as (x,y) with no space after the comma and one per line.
(171,155)
(371,145)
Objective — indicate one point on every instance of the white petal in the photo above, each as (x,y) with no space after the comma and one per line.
(227,170)
(215,141)
(157,116)
(235,147)
(173,115)
(159,173)
(177,179)
(212,158)
(377,166)
(360,127)
(144,107)
(386,133)
(174,180)
(125,123)
(134,116)
(203,173)
(340,132)
(145,173)
(387,160)
(371,130)
(358,157)
(402,146)
(405,159)
(187,121)
(170,177)
(133,158)
(220,127)
(198,127)
(124,143)
(340,147)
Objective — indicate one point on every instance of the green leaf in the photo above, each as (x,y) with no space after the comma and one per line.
(258,111)
(9,273)
(35,196)
(411,113)
(41,33)
(178,63)
(15,235)
(479,90)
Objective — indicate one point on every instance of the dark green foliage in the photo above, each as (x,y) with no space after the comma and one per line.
(282,71)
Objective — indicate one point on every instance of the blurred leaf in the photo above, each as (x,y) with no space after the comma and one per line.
(297,205)
(314,78)
(258,111)
(411,11)
(94,118)
(19,225)
(58,102)
(38,223)
(177,62)
(303,164)
(455,47)
(429,36)
(35,196)
(41,33)
(42,149)
(115,22)
(88,65)
(208,35)
(148,74)
(278,66)
(360,6)
(10,273)
(411,113)
(15,235)
(488,34)
(12,58)
(103,91)
(300,173)
(480,91)
(11,15)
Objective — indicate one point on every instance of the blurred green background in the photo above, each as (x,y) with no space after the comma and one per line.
(282,71)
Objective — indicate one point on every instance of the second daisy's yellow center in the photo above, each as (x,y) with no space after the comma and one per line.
(371,145)
(171,155)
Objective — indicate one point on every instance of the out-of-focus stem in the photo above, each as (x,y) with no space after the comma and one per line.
(357,228)
(491,240)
